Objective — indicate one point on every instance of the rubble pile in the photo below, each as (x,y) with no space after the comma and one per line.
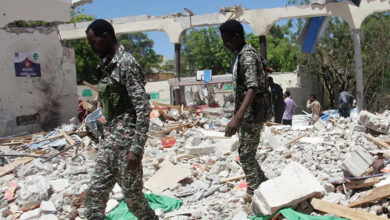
(340,162)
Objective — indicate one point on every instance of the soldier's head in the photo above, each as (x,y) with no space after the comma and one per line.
(232,34)
(101,37)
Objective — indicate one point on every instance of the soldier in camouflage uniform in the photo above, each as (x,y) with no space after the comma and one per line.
(248,78)
(120,155)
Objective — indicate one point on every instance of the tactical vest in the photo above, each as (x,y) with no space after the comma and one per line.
(262,104)
(113,99)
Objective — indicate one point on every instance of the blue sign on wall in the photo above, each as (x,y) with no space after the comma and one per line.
(27,64)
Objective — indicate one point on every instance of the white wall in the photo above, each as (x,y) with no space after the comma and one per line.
(53,95)
(34,10)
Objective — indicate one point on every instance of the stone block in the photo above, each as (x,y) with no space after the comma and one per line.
(47,207)
(320,126)
(111,204)
(59,185)
(240,216)
(358,162)
(48,217)
(356,128)
(374,122)
(294,185)
(33,191)
(30,215)
(201,150)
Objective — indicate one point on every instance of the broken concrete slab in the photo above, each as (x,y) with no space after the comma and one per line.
(320,126)
(111,204)
(34,214)
(48,217)
(293,186)
(47,207)
(59,185)
(240,216)
(33,191)
(358,162)
(167,176)
(374,122)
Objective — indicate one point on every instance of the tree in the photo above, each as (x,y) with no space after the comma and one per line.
(202,48)
(141,47)
(86,59)
(281,53)
(375,38)
(333,61)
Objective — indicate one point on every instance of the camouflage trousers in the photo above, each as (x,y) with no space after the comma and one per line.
(111,167)
(249,138)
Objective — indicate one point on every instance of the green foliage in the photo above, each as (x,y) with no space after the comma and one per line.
(375,38)
(141,47)
(202,48)
(86,59)
(281,53)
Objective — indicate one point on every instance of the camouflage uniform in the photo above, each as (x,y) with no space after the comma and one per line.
(249,74)
(122,134)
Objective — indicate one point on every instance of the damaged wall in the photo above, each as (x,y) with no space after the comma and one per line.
(30,104)
(53,10)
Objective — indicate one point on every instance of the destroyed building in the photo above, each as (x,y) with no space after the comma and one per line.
(336,167)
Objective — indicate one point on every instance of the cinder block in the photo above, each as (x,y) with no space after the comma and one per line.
(294,185)
(359,161)
(201,150)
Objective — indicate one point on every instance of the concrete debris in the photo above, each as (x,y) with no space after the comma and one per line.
(30,215)
(358,162)
(202,167)
(375,122)
(296,184)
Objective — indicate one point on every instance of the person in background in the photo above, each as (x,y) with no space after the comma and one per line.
(277,100)
(315,107)
(81,111)
(289,109)
(345,102)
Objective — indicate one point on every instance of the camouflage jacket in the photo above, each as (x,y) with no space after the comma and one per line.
(249,73)
(128,129)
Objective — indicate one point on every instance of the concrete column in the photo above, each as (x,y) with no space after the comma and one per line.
(177,60)
(263,46)
(176,91)
(358,69)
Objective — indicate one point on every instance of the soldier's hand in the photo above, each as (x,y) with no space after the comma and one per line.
(232,127)
(133,161)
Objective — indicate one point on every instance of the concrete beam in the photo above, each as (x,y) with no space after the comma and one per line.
(260,20)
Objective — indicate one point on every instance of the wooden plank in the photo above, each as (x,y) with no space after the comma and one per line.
(269,124)
(377,141)
(275,132)
(24,137)
(69,139)
(363,183)
(171,129)
(342,211)
(232,179)
(375,194)
(11,166)
(90,85)
(295,139)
